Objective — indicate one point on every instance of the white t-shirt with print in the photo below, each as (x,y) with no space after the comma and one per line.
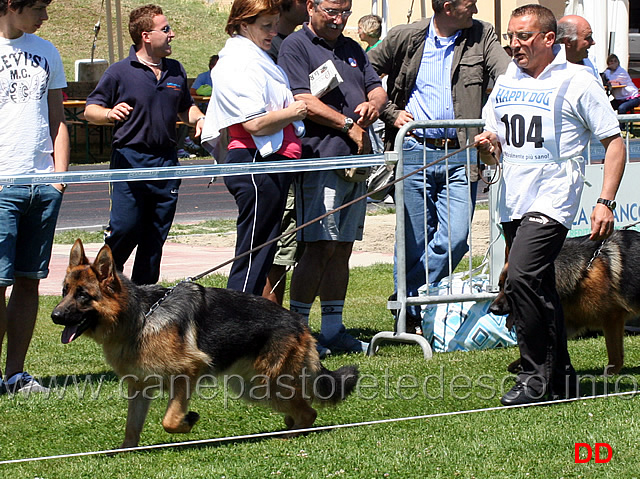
(29,68)
(544,166)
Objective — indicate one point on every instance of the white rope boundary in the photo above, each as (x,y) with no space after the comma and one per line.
(309,430)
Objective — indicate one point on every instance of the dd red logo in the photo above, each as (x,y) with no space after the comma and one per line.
(590,452)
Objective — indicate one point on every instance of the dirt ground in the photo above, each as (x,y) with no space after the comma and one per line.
(379,235)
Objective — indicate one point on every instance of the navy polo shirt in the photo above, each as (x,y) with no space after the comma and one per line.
(301,53)
(151,126)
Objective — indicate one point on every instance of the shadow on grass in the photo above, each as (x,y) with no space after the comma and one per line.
(93,381)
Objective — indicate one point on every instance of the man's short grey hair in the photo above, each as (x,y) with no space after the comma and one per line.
(568,30)
(438,5)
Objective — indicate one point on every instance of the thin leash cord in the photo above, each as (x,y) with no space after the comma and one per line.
(597,252)
(245,437)
(328,213)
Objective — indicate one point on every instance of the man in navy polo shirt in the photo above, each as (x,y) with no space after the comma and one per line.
(336,125)
(143,95)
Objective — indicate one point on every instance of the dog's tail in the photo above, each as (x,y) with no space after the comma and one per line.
(331,387)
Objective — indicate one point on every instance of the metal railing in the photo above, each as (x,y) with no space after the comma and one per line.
(495,255)
(402,300)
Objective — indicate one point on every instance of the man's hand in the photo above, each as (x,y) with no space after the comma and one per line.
(361,138)
(403,118)
(368,114)
(488,147)
(120,112)
(602,223)
(298,110)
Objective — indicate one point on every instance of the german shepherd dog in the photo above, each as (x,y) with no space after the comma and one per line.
(195,331)
(599,286)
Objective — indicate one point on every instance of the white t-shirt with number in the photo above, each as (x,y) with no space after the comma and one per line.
(544,125)
(29,68)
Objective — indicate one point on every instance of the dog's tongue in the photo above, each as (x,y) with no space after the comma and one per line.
(69,334)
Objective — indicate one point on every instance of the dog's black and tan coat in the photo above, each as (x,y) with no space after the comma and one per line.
(599,287)
(195,331)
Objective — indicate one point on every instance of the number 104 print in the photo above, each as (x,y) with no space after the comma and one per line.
(526,120)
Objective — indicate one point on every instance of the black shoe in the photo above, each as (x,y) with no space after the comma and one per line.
(569,390)
(522,394)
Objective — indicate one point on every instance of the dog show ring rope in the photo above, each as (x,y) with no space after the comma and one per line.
(264,435)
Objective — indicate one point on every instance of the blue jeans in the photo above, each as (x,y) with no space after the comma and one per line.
(444,218)
(625,106)
(28,216)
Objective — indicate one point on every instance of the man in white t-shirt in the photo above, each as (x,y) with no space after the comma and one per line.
(540,116)
(33,139)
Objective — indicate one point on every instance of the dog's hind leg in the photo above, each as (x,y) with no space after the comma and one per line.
(614,339)
(298,413)
(177,418)
(136,415)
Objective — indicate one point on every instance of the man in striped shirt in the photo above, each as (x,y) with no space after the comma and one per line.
(438,69)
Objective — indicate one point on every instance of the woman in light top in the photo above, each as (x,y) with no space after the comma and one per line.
(252,103)
(625,98)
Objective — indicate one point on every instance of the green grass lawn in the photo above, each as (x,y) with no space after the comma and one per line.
(535,442)
(89,414)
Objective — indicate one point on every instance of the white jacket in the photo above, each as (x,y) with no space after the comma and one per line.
(246,84)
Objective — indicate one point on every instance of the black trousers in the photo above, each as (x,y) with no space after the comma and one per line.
(534,243)
(261,200)
(141,215)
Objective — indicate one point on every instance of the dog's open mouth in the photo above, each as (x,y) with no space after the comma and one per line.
(72,332)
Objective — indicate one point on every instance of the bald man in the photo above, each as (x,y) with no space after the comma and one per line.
(575,33)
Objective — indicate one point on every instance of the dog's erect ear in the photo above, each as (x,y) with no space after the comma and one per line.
(77,256)
(103,265)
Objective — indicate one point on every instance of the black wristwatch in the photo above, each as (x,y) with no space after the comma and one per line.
(348,124)
(611,204)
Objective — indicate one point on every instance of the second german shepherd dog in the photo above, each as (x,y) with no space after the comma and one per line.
(599,286)
(195,331)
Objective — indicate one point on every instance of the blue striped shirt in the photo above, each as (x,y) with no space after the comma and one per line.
(431,97)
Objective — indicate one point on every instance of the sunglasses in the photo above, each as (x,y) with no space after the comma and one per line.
(166,29)
(521,36)
(333,13)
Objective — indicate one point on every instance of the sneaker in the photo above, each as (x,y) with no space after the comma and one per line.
(185,154)
(3,387)
(323,351)
(343,341)
(24,383)
(189,143)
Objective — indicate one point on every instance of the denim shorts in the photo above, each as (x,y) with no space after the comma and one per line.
(318,192)
(28,216)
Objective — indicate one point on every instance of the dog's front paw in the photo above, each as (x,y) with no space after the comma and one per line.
(182,425)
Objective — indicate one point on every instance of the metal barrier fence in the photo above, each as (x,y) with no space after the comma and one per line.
(495,255)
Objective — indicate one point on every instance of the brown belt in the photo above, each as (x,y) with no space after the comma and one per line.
(451,143)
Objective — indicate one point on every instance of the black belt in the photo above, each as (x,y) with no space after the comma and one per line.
(451,143)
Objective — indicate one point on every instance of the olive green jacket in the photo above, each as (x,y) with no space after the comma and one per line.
(478,57)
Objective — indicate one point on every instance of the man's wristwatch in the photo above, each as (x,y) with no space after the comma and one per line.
(611,204)
(348,124)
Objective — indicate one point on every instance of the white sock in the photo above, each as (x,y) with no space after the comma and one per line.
(331,318)
(301,308)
